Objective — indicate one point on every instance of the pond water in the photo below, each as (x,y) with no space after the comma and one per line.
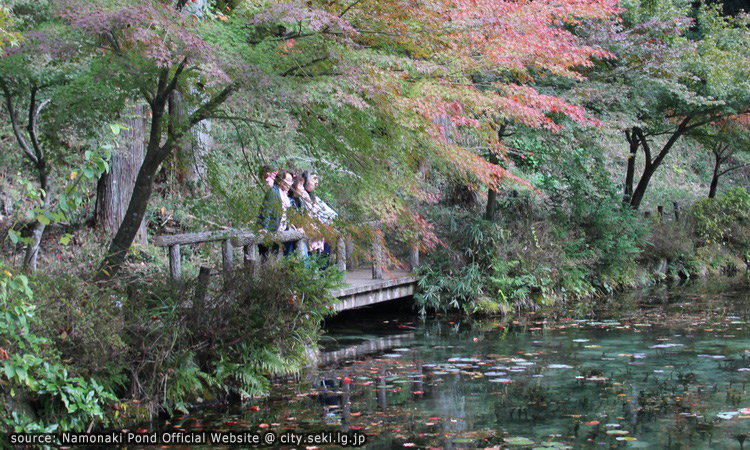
(667,368)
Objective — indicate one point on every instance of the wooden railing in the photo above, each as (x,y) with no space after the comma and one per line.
(249,242)
(661,214)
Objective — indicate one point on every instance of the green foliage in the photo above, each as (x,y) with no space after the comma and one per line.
(669,240)
(725,220)
(233,340)
(8,36)
(33,372)
(567,242)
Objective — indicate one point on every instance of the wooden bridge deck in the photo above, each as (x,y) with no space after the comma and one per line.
(361,290)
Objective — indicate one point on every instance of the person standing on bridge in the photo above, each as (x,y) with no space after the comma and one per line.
(319,210)
(272,216)
(302,209)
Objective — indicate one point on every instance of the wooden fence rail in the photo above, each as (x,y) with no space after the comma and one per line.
(249,242)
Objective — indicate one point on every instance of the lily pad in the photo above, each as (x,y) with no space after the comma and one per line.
(518,440)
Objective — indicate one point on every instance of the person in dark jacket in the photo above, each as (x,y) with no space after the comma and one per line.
(272,215)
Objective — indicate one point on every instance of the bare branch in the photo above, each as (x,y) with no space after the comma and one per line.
(173,82)
(350,7)
(33,114)
(242,119)
(644,144)
(207,108)
(13,113)
(733,168)
(300,67)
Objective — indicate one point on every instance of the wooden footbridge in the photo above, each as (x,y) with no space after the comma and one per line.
(363,287)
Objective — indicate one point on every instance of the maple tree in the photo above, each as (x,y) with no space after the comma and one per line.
(665,84)
(727,140)
(41,81)
(8,36)
(151,50)
(442,70)
(470,63)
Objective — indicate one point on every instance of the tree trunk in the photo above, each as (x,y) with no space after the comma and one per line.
(634,143)
(131,222)
(36,155)
(492,207)
(115,187)
(190,166)
(156,153)
(491,212)
(37,229)
(715,177)
(653,164)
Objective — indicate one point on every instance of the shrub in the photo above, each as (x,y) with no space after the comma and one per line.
(725,220)
(668,240)
(230,341)
(41,392)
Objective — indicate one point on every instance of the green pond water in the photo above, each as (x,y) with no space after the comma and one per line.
(666,368)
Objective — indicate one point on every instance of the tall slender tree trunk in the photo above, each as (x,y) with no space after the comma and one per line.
(35,154)
(156,153)
(37,228)
(653,163)
(630,174)
(491,212)
(133,218)
(190,155)
(715,177)
(640,190)
(492,207)
(142,189)
(116,187)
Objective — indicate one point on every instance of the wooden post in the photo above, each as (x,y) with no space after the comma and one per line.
(250,253)
(341,254)
(377,260)
(174,261)
(414,256)
(349,253)
(226,256)
(298,245)
(676,211)
(201,289)
(660,209)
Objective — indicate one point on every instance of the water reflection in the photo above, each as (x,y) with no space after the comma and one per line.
(667,369)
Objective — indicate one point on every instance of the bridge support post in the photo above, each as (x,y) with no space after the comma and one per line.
(226,256)
(414,256)
(377,259)
(174,261)
(341,254)
(250,252)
